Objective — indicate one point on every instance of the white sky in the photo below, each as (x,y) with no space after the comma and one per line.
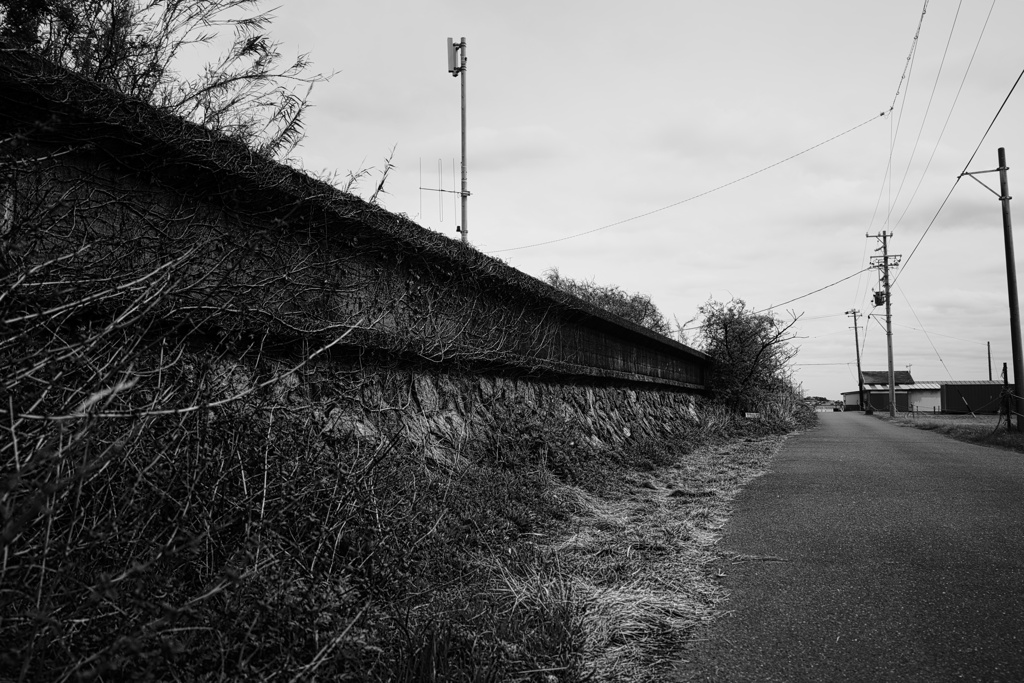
(586,113)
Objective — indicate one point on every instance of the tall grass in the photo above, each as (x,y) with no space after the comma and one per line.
(182,498)
(256,539)
(988,430)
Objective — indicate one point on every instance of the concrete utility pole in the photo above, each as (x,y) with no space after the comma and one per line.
(860,375)
(884,265)
(456,67)
(1011,283)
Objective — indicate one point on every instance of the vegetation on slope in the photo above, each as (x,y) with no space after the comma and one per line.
(179,499)
(987,430)
(242,539)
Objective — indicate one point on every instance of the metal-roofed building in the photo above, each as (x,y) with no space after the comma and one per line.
(980,396)
(876,392)
(952,396)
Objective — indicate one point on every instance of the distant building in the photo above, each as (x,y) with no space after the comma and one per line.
(981,396)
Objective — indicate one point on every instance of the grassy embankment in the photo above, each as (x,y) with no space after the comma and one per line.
(174,527)
(987,430)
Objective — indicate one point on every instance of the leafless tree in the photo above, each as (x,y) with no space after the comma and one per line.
(132,46)
(750,353)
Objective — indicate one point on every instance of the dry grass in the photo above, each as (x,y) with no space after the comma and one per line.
(181,500)
(986,430)
(638,558)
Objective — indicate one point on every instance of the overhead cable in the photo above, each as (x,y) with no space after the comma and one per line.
(993,122)
(924,119)
(926,335)
(966,166)
(936,334)
(820,289)
(956,98)
(910,57)
(908,71)
(696,196)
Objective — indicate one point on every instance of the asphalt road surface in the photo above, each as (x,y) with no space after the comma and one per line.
(872,552)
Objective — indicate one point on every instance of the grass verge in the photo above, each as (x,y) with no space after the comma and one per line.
(986,430)
(640,555)
(252,541)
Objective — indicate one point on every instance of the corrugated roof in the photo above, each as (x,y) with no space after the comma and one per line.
(925,386)
(964,382)
(882,377)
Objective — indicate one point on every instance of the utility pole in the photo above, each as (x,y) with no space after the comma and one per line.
(1006,398)
(1011,284)
(988,345)
(457,67)
(884,264)
(860,376)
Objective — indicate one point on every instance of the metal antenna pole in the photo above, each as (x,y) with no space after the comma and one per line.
(465,189)
(457,67)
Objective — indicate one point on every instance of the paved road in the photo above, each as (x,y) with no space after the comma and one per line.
(900,557)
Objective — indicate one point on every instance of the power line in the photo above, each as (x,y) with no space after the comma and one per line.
(913,50)
(926,335)
(956,98)
(924,119)
(989,129)
(822,317)
(937,334)
(807,364)
(966,166)
(802,296)
(696,196)
(820,289)
(908,71)
(929,227)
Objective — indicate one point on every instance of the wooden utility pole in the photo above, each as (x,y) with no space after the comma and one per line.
(1006,398)
(1017,401)
(860,375)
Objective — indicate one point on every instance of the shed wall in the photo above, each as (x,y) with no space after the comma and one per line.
(879,400)
(977,398)
(927,401)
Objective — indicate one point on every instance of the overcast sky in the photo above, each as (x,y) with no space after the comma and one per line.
(583,114)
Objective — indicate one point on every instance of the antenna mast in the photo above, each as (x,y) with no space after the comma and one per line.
(457,67)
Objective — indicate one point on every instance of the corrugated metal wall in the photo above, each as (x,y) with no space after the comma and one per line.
(879,400)
(965,398)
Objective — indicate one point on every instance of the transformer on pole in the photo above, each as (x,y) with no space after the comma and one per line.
(884,263)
